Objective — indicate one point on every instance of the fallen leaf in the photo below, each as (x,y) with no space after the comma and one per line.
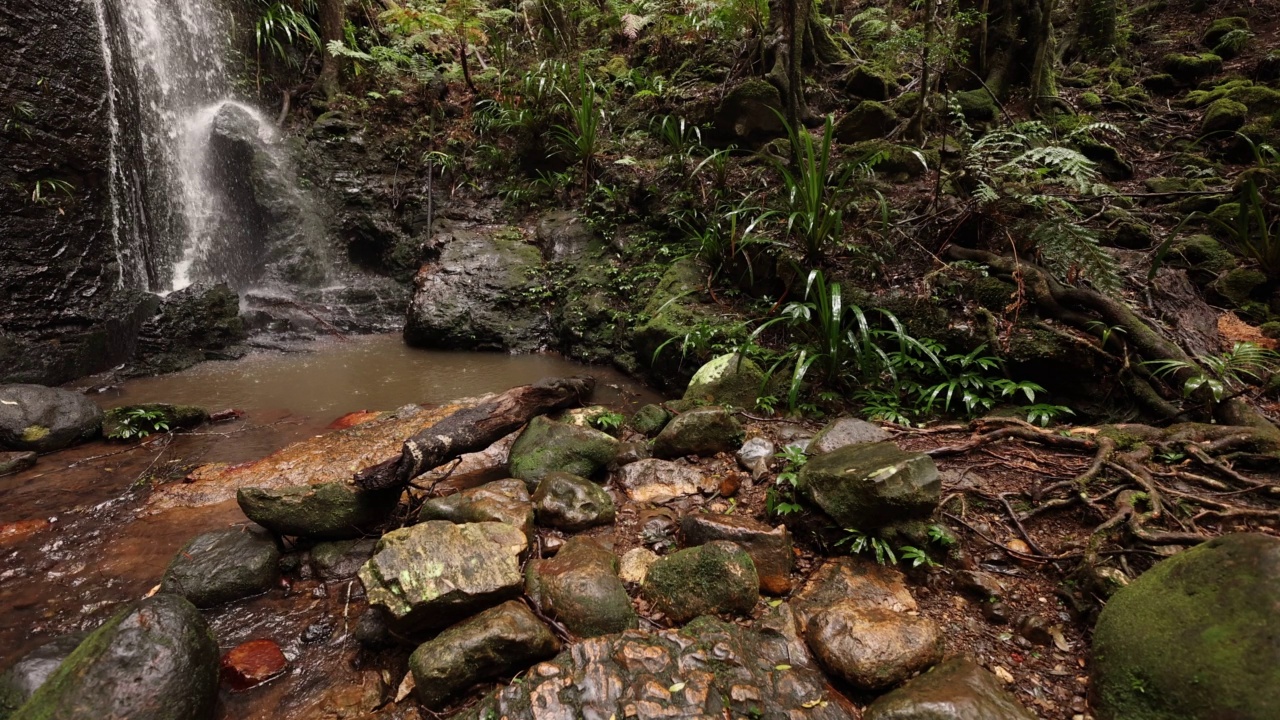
(1059,641)
(677,687)
(406,687)
(782,666)
(1005,676)
(151,592)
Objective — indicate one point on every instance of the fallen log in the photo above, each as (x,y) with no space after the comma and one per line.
(473,429)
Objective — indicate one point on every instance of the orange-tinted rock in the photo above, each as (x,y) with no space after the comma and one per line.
(352,419)
(252,663)
(769,548)
(15,532)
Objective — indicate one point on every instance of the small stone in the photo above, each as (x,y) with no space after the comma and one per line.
(497,642)
(996,612)
(224,565)
(769,548)
(702,431)
(13,462)
(318,631)
(571,503)
(373,629)
(341,559)
(24,677)
(1036,630)
(635,565)
(873,648)
(656,481)
(755,455)
(718,577)
(504,501)
(1018,546)
(981,585)
(629,452)
(650,419)
(252,663)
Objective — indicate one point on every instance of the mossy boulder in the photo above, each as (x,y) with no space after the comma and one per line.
(1110,163)
(728,380)
(330,511)
(572,503)
(716,578)
(868,121)
(44,419)
(872,486)
(749,112)
(504,501)
(976,105)
(894,162)
(1238,285)
(869,83)
(992,293)
(546,446)
(1223,116)
(650,419)
(1258,99)
(1220,28)
(117,419)
(1191,68)
(222,566)
(675,310)
(1197,636)
(1090,101)
(580,587)
(155,659)
(702,431)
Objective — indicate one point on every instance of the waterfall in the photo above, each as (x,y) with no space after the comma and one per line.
(215,197)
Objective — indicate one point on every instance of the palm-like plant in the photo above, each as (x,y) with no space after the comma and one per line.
(580,138)
(816,195)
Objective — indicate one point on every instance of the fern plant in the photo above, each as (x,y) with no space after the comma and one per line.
(279,26)
(1221,374)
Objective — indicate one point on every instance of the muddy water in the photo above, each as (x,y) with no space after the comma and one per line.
(74,544)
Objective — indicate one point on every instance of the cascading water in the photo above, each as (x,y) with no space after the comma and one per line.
(216,198)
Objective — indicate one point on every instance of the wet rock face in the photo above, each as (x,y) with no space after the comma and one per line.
(702,431)
(718,577)
(856,579)
(769,548)
(434,573)
(197,323)
(24,677)
(572,503)
(497,642)
(504,501)
(222,566)
(548,446)
(341,559)
(43,419)
(872,648)
(699,672)
(330,511)
(958,689)
(156,659)
(63,312)
(1198,635)
(470,296)
(868,487)
(580,588)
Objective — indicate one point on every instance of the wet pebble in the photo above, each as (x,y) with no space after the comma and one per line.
(318,631)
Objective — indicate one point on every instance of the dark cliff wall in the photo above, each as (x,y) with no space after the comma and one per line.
(62,311)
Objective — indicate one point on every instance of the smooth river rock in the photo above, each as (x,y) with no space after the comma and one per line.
(499,641)
(707,670)
(958,689)
(154,660)
(222,566)
(868,487)
(504,501)
(23,678)
(548,446)
(702,431)
(580,588)
(43,419)
(432,574)
(1196,636)
(657,481)
(872,648)
(331,511)
(769,548)
(715,578)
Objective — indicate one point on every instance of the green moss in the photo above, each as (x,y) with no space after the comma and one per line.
(976,105)
(1190,68)
(718,577)
(1090,101)
(1224,116)
(1194,637)
(895,162)
(43,705)
(1220,28)
(992,293)
(1258,99)
(1201,252)
(868,121)
(1239,284)
(650,419)
(34,433)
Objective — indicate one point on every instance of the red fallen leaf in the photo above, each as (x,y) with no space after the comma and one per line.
(1017,657)
(252,663)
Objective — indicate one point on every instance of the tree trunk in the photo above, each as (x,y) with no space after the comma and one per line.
(915,130)
(1096,32)
(333,16)
(1019,49)
(796,40)
(473,429)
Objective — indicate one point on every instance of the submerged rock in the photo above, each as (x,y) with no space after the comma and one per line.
(580,587)
(718,577)
(727,380)
(872,648)
(868,487)
(156,659)
(769,548)
(23,678)
(572,503)
(13,462)
(223,566)
(432,574)
(704,671)
(499,641)
(547,446)
(332,510)
(958,689)
(44,419)
(702,431)
(252,663)
(504,501)
(118,419)
(341,559)
(1196,636)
